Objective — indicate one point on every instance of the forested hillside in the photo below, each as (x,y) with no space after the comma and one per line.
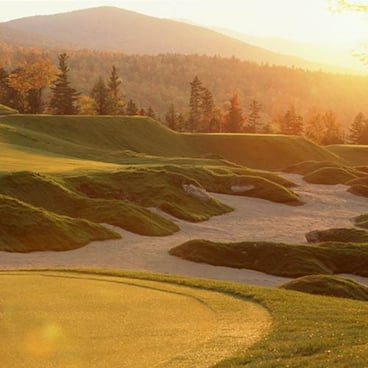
(161,80)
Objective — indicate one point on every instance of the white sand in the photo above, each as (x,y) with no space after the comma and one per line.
(253,219)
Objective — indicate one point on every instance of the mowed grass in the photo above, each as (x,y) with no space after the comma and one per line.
(307,330)
(120,139)
(18,158)
(61,319)
(355,155)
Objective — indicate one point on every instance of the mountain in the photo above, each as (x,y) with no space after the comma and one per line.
(111,28)
(342,56)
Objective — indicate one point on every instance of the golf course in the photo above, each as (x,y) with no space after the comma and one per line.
(124,243)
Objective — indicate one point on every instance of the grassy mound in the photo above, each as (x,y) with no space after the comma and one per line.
(330,176)
(51,194)
(306,167)
(329,286)
(24,228)
(152,187)
(114,139)
(167,188)
(360,190)
(5,110)
(362,221)
(338,235)
(352,154)
(288,260)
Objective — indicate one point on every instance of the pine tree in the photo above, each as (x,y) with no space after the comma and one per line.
(254,117)
(234,118)
(171,118)
(207,108)
(114,83)
(195,113)
(151,113)
(291,123)
(100,94)
(64,97)
(131,108)
(358,128)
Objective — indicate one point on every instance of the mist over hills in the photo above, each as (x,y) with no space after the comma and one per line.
(115,29)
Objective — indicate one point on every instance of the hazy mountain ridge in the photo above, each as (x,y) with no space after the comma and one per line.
(134,33)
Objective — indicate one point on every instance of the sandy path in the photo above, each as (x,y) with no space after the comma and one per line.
(253,219)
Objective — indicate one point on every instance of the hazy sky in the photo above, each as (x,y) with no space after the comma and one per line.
(304,20)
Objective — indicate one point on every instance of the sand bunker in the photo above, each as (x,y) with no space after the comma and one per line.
(253,219)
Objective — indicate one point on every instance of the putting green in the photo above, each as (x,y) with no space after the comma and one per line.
(65,319)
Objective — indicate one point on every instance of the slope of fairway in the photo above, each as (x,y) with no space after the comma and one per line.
(24,228)
(113,139)
(353,154)
(19,158)
(74,320)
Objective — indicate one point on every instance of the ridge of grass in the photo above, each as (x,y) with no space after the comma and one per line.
(339,287)
(6,110)
(355,155)
(24,228)
(120,139)
(362,221)
(50,194)
(341,235)
(280,259)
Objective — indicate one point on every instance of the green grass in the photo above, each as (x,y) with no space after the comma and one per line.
(65,319)
(328,285)
(330,176)
(362,221)
(24,228)
(123,140)
(307,330)
(288,260)
(341,235)
(51,194)
(354,155)
(5,110)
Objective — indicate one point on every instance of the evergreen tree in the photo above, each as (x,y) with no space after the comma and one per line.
(254,117)
(171,118)
(151,113)
(131,108)
(207,108)
(114,83)
(234,118)
(100,94)
(358,129)
(291,123)
(64,97)
(195,102)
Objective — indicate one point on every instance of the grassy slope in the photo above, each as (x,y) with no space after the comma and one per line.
(279,259)
(5,110)
(328,285)
(353,154)
(49,193)
(24,228)
(305,333)
(112,139)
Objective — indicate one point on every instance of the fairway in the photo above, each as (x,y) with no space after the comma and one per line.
(65,319)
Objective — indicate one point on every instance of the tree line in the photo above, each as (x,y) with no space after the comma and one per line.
(23,89)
